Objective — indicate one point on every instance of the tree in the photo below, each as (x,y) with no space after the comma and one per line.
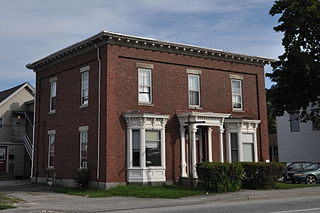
(297,72)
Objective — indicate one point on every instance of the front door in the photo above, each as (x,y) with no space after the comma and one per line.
(3,159)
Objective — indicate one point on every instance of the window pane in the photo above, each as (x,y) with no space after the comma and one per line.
(144,97)
(236,94)
(234,141)
(234,156)
(194,98)
(193,82)
(248,152)
(53,89)
(153,149)
(144,84)
(247,138)
(136,147)
(51,150)
(1,122)
(294,123)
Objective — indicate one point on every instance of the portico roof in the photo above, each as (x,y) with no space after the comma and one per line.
(202,118)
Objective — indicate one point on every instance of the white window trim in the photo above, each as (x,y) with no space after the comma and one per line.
(51,133)
(82,105)
(199,83)
(52,80)
(145,122)
(83,129)
(241,94)
(151,95)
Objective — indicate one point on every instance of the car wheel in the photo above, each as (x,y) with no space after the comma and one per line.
(311,179)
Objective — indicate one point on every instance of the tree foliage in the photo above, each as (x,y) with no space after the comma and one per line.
(297,72)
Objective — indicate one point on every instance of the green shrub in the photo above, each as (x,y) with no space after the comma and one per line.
(261,175)
(220,177)
(82,177)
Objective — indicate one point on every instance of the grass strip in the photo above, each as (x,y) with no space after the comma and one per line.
(135,191)
(293,186)
(7,202)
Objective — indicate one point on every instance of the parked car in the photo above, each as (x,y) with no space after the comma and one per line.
(309,175)
(292,167)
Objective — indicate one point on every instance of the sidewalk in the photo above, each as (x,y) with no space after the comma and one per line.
(41,199)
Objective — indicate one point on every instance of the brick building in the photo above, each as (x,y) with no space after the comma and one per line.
(138,110)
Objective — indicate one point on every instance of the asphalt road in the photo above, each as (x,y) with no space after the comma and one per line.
(41,199)
(284,205)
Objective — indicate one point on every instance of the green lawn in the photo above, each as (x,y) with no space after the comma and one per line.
(136,191)
(6,202)
(292,185)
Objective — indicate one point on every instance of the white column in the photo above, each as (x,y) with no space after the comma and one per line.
(163,147)
(255,147)
(221,144)
(240,148)
(129,147)
(193,147)
(210,144)
(183,152)
(200,145)
(228,142)
(142,147)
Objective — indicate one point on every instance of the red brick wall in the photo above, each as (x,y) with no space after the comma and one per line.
(119,94)
(170,93)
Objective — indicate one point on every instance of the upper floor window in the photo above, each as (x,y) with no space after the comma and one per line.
(145,85)
(236,94)
(294,123)
(53,94)
(51,144)
(83,147)
(1,122)
(194,90)
(85,88)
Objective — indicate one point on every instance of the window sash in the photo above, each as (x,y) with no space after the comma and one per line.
(51,146)
(85,87)
(53,95)
(248,152)
(144,85)
(236,87)
(136,148)
(194,90)
(153,148)
(234,147)
(294,123)
(83,149)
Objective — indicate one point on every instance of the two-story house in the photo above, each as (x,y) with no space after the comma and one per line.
(139,110)
(16,130)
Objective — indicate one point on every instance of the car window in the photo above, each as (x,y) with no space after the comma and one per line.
(306,164)
(295,166)
(314,166)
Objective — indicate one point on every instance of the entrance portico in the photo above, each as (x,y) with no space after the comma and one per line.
(192,121)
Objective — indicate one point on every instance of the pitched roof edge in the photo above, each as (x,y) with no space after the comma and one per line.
(144,43)
(26,84)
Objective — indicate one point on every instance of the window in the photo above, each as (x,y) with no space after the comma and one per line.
(51,149)
(83,149)
(248,147)
(135,148)
(236,94)
(234,147)
(316,125)
(294,123)
(153,148)
(144,81)
(53,94)
(84,88)
(194,90)
(1,122)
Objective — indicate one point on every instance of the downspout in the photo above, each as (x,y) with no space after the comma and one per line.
(33,131)
(99,114)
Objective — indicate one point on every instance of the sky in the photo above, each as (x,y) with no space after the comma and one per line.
(33,29)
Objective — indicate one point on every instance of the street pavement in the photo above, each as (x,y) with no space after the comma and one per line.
(41,198)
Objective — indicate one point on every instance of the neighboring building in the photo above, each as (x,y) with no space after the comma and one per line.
(137,110)
(297,141)
(16,130)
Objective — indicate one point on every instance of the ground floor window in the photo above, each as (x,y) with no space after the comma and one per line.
(83,149)
(248,147)
(153,149)
(51,145)
(234,147)
(135,148)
